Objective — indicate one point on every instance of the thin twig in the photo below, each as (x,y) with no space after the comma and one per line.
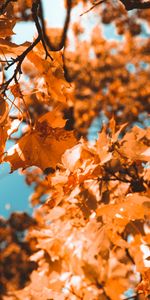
(26,108)
(133,296)
(92,7)
(17,70)
(13,104)
(108,169)
(6,61)
(71,290)
(105,178)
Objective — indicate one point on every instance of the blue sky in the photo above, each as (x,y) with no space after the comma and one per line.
(14,193)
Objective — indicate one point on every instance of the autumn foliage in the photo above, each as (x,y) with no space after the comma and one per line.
(89,235)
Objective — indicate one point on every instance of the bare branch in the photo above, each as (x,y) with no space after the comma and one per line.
(65,29)
(38,26)
(92,7)
(19,60)
(128,4)
(135,4)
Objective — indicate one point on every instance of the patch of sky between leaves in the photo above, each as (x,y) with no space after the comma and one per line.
(13,192)
(53,14)
(96,126)
(14,198)
(131,67)
(110,33)
(145,33)
(129,293)
(24,31)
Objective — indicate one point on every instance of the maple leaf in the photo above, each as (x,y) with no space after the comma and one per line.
(72,157)
(42,146)
(103,144)
(52,72)
(115,287)
(133,207)
(6,26)
(53,118)
(133,147)
(11,48)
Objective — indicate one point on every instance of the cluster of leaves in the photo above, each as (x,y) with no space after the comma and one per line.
(15,266)
(114,77)
(93,220)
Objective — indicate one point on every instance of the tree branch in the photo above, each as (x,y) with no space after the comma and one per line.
(135,4)
(38,27)
(18,60)
(92,7)
(4,6)
(133,296)
(65,29)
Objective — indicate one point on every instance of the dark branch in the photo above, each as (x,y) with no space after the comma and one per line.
(101,286)
(4,6)
(120,177)
(19,60)
(92,7)
(115,178)
(135,4)
(133,296)
(38,27)
(65,29)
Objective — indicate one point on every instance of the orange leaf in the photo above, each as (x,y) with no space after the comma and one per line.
(4,125)
(41,147)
